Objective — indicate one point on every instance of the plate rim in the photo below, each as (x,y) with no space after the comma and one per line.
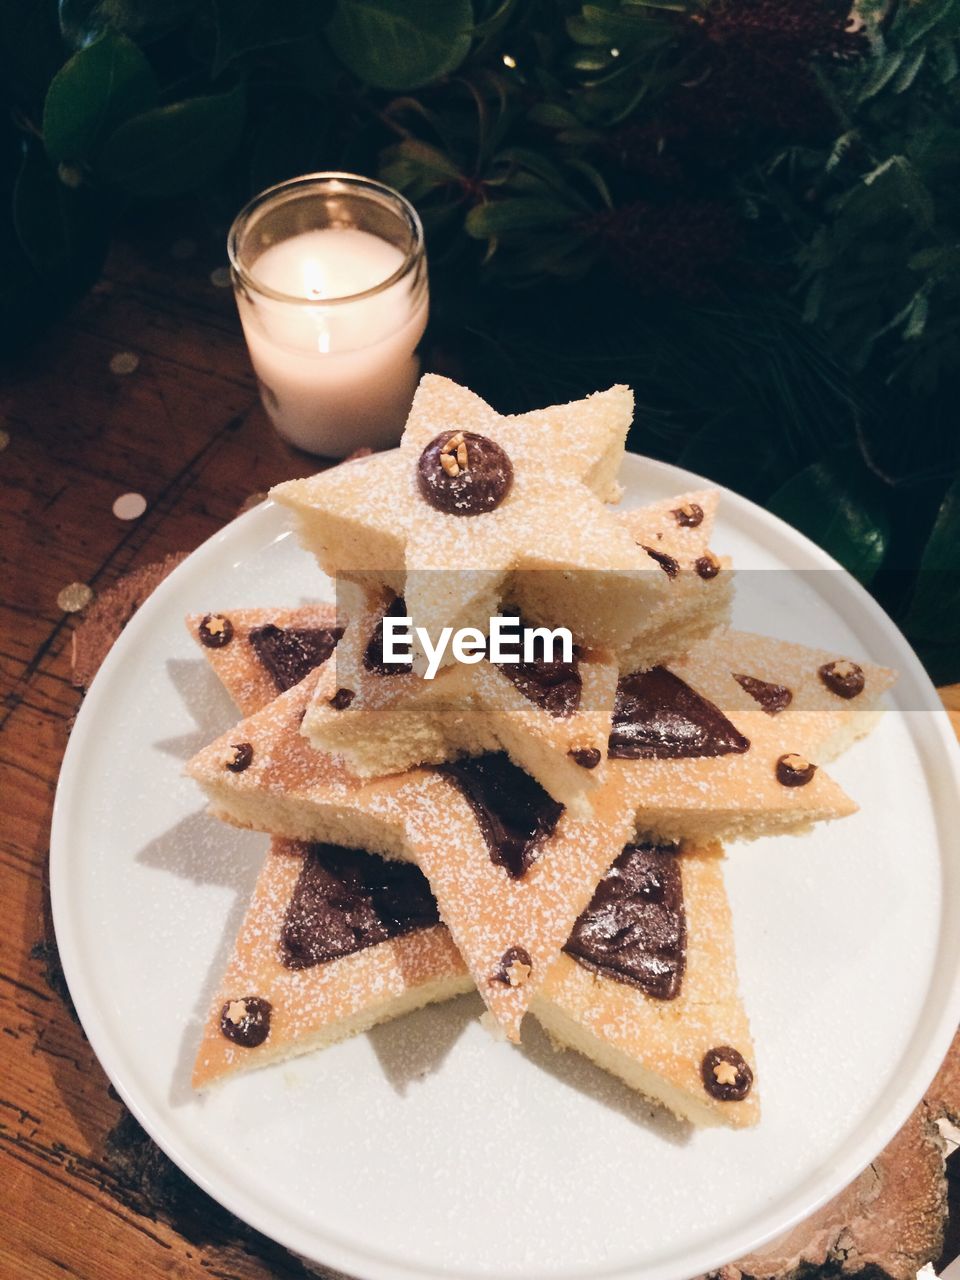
(373,1264)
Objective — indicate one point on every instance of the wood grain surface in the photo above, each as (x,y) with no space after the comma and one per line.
(84,1191)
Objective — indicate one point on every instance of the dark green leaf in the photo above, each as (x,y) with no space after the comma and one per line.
(941,661)
(81,21)
(247,26)
(98,88)
(550,115)
(176,148)
(423,158)
(886,68)
(934,612)
(401,44)
(61,231)
(841,507)
(519,214)
(41,213)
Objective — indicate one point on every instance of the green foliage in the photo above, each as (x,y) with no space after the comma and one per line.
(56,249)
(93,92)
(742,208)
(401,44)
(934,613)
(836,504)
(82,21)
(172,149)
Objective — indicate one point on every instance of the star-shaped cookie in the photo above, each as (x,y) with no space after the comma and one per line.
(510,868)
(676,533)
(553,718)
(475,509)
(260,653)
(333,943)
(727,742)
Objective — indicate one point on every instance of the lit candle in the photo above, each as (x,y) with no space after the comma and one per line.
(331,286)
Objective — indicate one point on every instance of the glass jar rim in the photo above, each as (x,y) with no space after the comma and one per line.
(351,182)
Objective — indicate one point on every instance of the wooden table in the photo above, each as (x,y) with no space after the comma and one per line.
(84,1192)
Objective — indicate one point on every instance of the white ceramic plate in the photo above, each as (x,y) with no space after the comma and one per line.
(425,1148)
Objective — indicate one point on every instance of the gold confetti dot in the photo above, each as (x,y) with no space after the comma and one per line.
(130,506)
(74,597)
(70,176)
(4,439)
(124,362)
(220,277)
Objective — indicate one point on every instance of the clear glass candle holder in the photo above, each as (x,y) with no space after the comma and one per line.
(330,278)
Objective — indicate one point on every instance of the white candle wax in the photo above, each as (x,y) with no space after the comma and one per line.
(335,377)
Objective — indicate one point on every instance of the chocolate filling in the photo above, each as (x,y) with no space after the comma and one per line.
(656,716)
(466,479)
(707,567)
(635,929)
(342,699)
(773,698)
(291,653)
(554,686)
(373,654)
(667,563)
(246,1021)
(346,900)
(514,813)
(586,757)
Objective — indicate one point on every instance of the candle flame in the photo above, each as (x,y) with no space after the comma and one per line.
(314,279)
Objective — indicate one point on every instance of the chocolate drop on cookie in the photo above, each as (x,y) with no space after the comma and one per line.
(514,967)
(667,563)
(215,630)
(346,900)
(634,930)
(707,567)
(342,699)
(794,771)
(291,653)
(725,1074)
(656,716)
(373,654)
(773,698)
(464,474)
(689,516)
(246,1021)
(585,757)
(514,813)
(845,679)
(241,757)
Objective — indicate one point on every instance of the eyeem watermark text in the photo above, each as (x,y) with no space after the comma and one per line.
(507,641)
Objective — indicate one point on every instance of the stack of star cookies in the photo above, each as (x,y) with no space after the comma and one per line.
(543,827)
